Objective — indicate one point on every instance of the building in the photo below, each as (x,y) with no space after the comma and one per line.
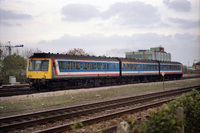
(196,66)
(156,53)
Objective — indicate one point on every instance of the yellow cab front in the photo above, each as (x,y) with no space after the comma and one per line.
(39,68)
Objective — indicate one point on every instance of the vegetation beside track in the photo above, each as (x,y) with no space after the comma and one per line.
(30,103)
(165,120)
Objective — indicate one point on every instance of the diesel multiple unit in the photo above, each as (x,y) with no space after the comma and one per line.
(59,70)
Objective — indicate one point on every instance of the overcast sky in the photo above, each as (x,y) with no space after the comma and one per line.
(103,27)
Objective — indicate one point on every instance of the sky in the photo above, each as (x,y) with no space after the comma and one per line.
(103,27)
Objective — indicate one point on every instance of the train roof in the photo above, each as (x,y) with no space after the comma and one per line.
(100,58)
(75,57)
(147,61)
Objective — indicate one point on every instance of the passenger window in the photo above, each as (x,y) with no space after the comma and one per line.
(104,66)
(94,66)
(137,67)
(81,66)
(85,66)
(91,66)
(65,65)
(98,66)
(107,66)
(78,65)
(124,66)
(74,65)
(128,66)
(69,65)
(156,67)
(61,65)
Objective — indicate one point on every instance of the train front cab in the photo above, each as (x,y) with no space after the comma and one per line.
(39,70)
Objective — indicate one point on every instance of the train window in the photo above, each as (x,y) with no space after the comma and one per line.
(114,66)
(107,66)
(122,66)
(88,66)
(95,66)
(104,66)
(74,65)
(61,65)
(152,67)
(165,67)
(31,65)
(162,67)
(81,65)
(156,67)
(127,66)
(85,66)
(69,65)
(38,65)
(145,67)
(130,66)
(134,67)
(78,65)
(65,65)
(98,66)
(148,67)
(91,66)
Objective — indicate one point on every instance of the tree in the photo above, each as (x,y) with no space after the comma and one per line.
(29,52)
(77,51)
(13,65)
(185,70)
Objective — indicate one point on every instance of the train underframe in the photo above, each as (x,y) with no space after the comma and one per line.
(72,83)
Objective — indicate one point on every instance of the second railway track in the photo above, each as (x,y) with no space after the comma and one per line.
(25,89)
(70,114)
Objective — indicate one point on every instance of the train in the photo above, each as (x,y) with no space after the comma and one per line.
(48,70)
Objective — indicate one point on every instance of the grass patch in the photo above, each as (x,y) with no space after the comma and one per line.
(29,104)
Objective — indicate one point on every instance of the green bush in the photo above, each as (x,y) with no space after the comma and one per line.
(165,121)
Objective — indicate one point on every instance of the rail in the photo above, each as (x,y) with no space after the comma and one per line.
(71,113)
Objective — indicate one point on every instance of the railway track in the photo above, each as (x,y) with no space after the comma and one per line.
(25,89)
(84,113)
